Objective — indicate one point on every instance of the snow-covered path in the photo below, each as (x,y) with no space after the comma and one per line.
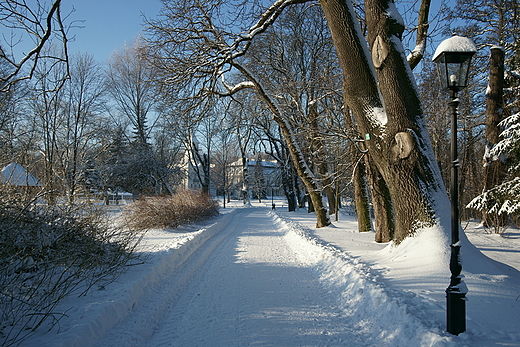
(251,277)
(246,286)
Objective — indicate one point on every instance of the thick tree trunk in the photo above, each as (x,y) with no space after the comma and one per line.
(494,169)
(399,145)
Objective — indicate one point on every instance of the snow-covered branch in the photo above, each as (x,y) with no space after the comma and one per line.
(265,21)
(232,89)
(422,33)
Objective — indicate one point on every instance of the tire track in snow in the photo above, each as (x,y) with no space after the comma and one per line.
(246,287)
(253,291)
(139,326)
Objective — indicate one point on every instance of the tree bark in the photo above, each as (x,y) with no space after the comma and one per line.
(399,144)
(382,204)
(494,168)
(361,198)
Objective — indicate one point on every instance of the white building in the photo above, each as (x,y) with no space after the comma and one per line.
(264,176)
(192,168)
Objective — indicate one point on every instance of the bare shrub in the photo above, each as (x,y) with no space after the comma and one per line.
(48,253)
(184,207)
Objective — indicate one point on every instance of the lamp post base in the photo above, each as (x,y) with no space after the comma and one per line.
(456,311)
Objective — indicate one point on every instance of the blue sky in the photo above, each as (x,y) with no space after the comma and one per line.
(107,25)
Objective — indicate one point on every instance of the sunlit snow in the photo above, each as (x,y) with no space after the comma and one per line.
(253,276)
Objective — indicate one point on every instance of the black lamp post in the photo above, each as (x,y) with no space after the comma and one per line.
(453,57)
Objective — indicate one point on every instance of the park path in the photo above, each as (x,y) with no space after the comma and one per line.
(246,286)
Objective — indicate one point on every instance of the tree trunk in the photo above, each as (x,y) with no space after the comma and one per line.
(399,145)
(494,168)
(361,198)
(288,188)
(300,197)
(245,180)
(310,206)
(317,146)
(381,202)
(359,181)
(207,171)
(322,217)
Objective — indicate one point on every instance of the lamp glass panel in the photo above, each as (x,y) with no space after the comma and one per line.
(453,64)
(441,70)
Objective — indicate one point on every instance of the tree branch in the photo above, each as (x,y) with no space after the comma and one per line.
(422,33)
(20,16)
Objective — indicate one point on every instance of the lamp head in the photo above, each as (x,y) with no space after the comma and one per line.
(453,58)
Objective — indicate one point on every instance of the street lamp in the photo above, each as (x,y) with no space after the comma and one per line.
(453,57)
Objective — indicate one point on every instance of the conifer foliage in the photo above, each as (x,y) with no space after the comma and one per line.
(504,199)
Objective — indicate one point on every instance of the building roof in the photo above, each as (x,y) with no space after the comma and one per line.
(16,175)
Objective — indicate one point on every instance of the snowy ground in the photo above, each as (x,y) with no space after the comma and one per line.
(251,277)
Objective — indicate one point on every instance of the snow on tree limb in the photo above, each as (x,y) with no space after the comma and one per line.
(422,33)
(265,21)
(235,88)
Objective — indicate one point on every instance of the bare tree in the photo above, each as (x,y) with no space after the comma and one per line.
(240,116)
(39,22)
(82,103)
(208,127)
(198,57)
(47,121)
(276,147)
(378,88)
(131,81)
(307,90)
(226,152)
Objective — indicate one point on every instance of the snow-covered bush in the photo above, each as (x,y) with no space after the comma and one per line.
(184,207)
(504,199)
(48,253)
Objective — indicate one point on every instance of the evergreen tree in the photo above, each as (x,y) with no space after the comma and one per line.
(504,199)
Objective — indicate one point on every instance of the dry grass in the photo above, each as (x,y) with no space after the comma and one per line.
(184,207)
